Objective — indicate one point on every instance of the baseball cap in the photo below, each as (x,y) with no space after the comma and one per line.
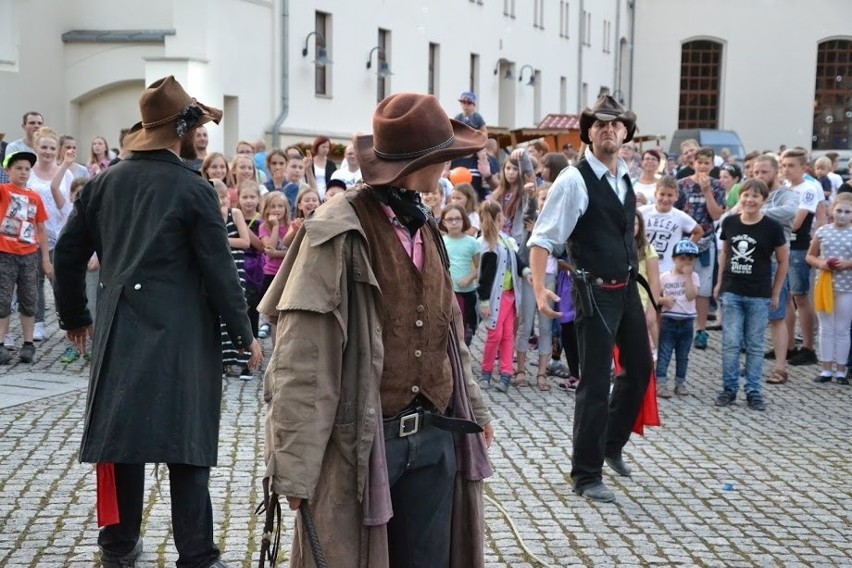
(467,97)
(15,156)
(335,183)
(685,247)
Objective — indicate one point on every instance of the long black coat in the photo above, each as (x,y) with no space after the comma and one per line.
(166,276)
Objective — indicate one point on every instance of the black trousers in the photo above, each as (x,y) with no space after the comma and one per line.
(192,514)
(602,424)
(421,471)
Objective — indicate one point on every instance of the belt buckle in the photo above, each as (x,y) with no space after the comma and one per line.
(409,425)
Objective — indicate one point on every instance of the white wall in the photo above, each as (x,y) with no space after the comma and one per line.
(769,67)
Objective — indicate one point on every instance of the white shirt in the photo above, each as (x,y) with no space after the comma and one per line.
(664,230)
(568,199)
(347,177)
(56,217)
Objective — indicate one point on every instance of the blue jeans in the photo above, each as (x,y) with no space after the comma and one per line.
(675,337)
(745,320)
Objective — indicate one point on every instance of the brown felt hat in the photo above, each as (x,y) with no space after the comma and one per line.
(168,113)
(411,131)
(607,109)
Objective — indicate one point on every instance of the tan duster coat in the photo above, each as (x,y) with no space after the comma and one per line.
(322,385)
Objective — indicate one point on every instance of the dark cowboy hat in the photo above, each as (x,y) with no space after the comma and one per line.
(411,131)
(606,108)
(168,113)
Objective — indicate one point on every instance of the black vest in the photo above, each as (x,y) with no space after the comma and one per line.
(602,242)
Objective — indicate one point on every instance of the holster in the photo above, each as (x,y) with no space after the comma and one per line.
(583,301)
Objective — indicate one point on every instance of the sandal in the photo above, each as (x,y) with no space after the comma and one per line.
(541,379)
(520,382)
(560,371)
(777,377)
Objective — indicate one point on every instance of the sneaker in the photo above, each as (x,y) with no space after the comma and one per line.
(9,342)
(232,370)
(680,390)
(755,401)
(805,356)
(69,355)
(841,380)
(246,374)
(663,391)
(485,381)
(38,331)
(822,379)
(5,356)
(725,398)
(263,331)
(701,338)
(505,382)
(27,353)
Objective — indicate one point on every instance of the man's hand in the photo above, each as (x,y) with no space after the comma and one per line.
(47,268)
(488,434)
(79,337)
(543,298)
(294,502)
(256,357)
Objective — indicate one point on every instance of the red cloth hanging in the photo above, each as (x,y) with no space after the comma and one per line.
(107,497)
(649,414)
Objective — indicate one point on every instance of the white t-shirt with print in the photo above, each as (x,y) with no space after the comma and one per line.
(664,230)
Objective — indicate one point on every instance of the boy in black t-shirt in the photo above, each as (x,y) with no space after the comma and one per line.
(746,291)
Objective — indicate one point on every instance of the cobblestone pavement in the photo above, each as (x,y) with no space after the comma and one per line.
(711,487)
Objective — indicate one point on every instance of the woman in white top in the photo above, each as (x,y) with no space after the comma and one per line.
(323,167)
(53,184)
(646,184)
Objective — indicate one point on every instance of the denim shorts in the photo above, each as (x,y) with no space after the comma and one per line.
(705,273)
(781,311)
(799,273)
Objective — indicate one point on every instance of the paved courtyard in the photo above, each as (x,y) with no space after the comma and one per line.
(711,487)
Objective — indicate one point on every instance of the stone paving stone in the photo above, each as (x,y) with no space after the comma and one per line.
(789,468)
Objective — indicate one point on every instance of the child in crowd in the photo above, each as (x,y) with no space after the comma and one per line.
(747,291)
(567,331)
(22,234)
(831,251)
(235,364)
(649,268)
(307,201)
(665,225)
(432,200)
(295,181)
(275,215)
(93,270)
(248,194)
(822,167)
(333,187)
(465,195)
(499,270)
(242,169)
(463,252)
(679,288)
(468,115)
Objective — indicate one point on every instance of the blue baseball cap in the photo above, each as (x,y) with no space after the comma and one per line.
(467,97)
(685,248)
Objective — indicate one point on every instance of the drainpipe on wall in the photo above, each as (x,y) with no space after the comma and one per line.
(631,4)
(582,19)
(285,76)
(616,69)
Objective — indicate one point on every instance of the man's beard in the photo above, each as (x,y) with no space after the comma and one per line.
(187,148)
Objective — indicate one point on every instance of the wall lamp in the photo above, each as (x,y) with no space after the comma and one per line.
(531,82)
(384,67)
(322,56)
(508,74)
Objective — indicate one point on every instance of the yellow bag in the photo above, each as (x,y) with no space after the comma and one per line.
(823,292)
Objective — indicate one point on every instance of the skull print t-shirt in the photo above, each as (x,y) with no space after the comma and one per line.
(749,259)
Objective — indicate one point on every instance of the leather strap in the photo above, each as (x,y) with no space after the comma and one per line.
(427,418)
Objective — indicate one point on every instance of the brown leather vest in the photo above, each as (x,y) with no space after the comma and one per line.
(416,311)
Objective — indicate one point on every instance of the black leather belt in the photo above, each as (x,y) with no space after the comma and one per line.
(412,421)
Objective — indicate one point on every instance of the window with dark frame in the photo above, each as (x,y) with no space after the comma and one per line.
(434,58)
(700,78)
(473,79)
(322,28)
(832,128)
(381,57)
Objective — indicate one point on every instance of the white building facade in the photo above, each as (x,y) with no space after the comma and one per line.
(776,71)
(83,63)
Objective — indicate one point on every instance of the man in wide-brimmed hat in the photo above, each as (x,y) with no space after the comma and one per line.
(166,279)
(593,208)
(370,391)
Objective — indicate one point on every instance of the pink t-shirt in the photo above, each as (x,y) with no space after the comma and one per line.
(271,266)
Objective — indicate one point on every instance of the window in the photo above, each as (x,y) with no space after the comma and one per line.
(538,14)
(382,56)
(586,34)
(564,30)
(607,36)
(509,8)
(700,75)
(473,78)
(832,128)
(434,67)
(323,40)
(8,35)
